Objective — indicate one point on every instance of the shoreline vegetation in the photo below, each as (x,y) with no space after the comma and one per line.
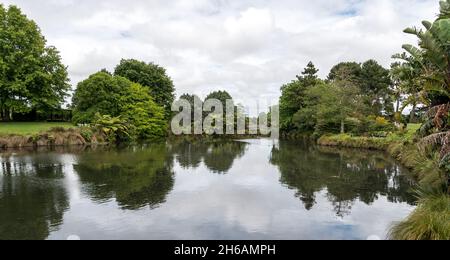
(55,136)
(364,105)
(431,219)
(43,134)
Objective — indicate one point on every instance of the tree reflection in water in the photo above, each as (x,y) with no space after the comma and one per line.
(217,156)
(346,175)
(34,185)
(32,196)
(137,177)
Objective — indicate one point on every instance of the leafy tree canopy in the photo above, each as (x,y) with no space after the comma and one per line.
(349,71)
(117,96)
(32,75)
(222,96)
(151,76)
(293,94)
(376,85)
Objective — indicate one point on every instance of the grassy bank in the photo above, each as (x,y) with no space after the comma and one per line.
(374,143)
(41,134)
(431,220)
(30,128)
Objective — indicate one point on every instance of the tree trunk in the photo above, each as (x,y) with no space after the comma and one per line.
(397,109)
(342,127)
(6,116)
(412,116)
(10,115)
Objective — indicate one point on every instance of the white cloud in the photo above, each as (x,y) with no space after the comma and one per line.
(248,47)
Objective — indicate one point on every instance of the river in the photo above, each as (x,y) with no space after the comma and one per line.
(249,189)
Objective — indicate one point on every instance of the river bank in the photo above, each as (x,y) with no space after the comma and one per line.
(431,219)
(56,136)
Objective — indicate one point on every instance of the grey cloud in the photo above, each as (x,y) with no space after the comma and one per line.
(248,47)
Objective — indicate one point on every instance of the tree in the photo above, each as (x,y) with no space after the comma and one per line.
(31,74)
(151,76)
(348,71)
(309,75)
(196,105)
(100,93)
(146,117)
(433,55)
(117,96)
(407,74)
(293,94)
(328,106)
(431,59)
(376,86)
(222,96)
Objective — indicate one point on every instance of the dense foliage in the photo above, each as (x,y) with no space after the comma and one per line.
(293,96)
(353,98)
(425,70)
(116,96)
(32,76)
(152,77)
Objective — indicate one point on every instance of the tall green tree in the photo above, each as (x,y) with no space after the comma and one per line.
(407,75)
(151,76)
(309,75)
(432,60)
(32,75)
(194,101)
(293,96)
(376,86)
(348,71)
(328,106)
(433,55)
(118,97)
(220,95)
(100,93)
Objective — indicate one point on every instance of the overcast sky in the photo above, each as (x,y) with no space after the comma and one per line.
(249,48)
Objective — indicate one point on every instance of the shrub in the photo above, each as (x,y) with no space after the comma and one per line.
(430,221)
(87,133)
(145,117)
(114,128)
(122,100)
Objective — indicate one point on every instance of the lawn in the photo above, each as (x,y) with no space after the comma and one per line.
(29,128)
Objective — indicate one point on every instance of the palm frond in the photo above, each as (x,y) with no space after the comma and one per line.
(427,24)
(440,140)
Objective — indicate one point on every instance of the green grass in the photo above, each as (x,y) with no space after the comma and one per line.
(412,128)
(378,143)
(29,128)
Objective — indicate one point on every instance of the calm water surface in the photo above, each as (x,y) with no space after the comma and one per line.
(252,189)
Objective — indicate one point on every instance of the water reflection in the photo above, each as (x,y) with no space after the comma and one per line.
(32,196)
(135,177)
(347,175)
(240,190)
(217,156)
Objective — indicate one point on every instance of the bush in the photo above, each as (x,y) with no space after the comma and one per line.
(124,102)
(430,221)
(369,126)
(345,140)
(146,118)
(87,133)
(114,128)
